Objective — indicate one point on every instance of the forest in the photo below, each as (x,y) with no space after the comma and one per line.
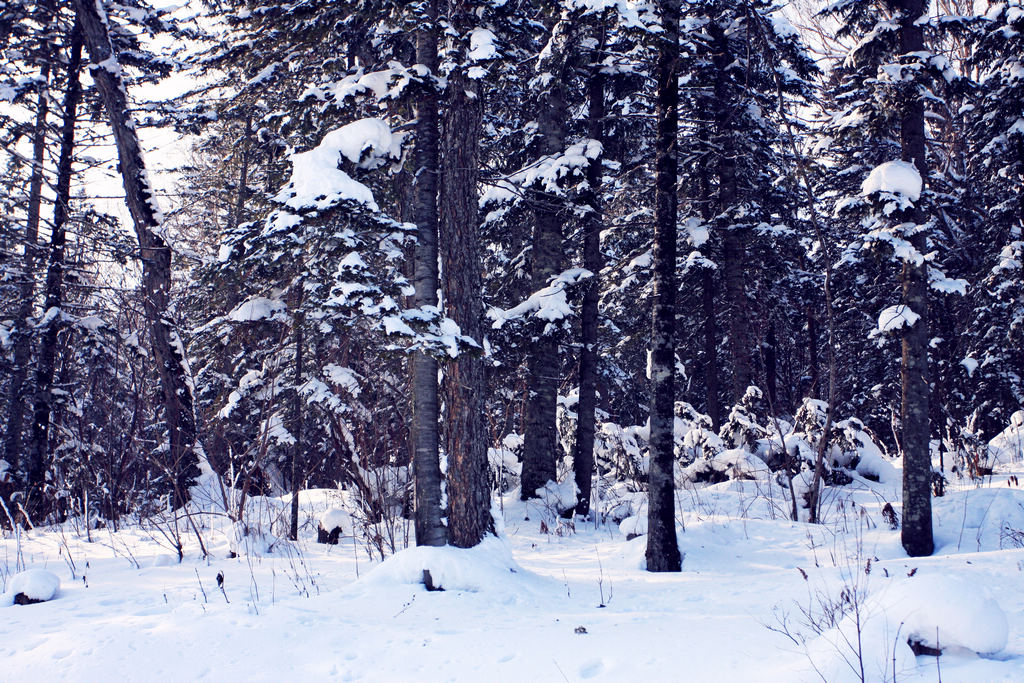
(484,288)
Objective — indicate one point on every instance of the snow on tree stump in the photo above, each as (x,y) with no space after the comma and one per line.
(330,527)
(33,586)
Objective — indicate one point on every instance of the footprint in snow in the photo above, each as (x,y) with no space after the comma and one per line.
(591,669)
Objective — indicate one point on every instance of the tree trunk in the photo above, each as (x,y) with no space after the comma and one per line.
(710,347)
(298,321)
(243,177)
(734,237)
(469,491)
(917,468)
(771,370)
(583,456)
(540,443)
(45,364)
(662,546)
(168,349)
(14,441)
(425,434)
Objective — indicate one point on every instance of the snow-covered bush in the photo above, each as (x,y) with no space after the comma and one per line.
(743,427)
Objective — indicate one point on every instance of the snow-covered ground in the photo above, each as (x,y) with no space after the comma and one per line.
(546,602)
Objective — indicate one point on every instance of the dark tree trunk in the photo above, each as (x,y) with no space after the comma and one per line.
(40,440)
(583,456)
(710,347)
(734,238)
(14,441)
(703,196)
(917,468)
(662,546)
(298,321)
(540,443)
(425,434)
(813,372)
(168,348)
(469,491)
(243,177)
(771,370)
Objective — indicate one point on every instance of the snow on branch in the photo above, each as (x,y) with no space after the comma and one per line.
(549,303)
(896,318)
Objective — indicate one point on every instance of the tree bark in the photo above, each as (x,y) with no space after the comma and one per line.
(38,447)
(586,408)
(711,369)
(540,442)
(734,237)
(469,491)
(168,349)
(298,321)
(430,529)
(662,546)
(14,441)
(917,469)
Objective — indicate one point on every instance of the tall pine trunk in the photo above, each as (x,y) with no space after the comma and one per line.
(540,443)
(469,490)
(38,446)
(917,468)
(14,441)
(168,348)
(734,238)
(586,408)
(662,546)
(425,434)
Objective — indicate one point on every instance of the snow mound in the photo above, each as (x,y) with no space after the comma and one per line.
(247,541)
(978,520)
(482,568)
(943,611)
(873,465)
(560,497)
(1008,445)
(634,526)
(735,463)
(38,585)
(334,518)
(894,177)
(937,611)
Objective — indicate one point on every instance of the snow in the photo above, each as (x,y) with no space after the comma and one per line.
(481,45)
(548,303)
(895,178)
(534,604)
(896,318)
(36,584)
(559,497)
(258,308)
(334,518)
(1008,445)
(942,611)
(485,568)
(316,181)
